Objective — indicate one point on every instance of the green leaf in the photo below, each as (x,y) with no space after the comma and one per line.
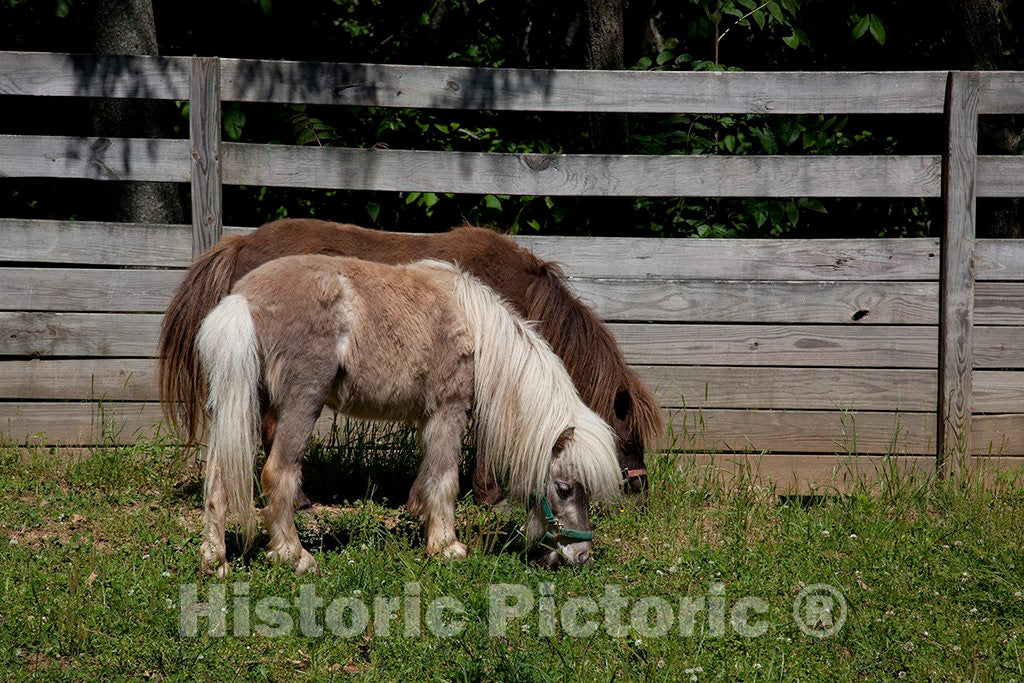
(730,142)
(234,120)
(534,224)
(776,12)
(429,199)
(860,27)
(644,63)
(877,30)
(663,57)
(63,8)
(492,202)
(411,197)
(373,209)
(792,41)
(759,18)
(793,213)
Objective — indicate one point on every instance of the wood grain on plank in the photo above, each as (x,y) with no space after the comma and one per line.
(956,298)
(204,135)
(998,347)
(1000,92)
(1000,176)
(785,431)
(740,259)
(111,335)
(999,259)
(791,388)
(440,87)
(999,303)
(113,379)
(80,75)
(792,474)
(90,242)
(581,174)
(804,345)
(998,391)
(863,303)
(87,289)
(40,156)
(78,424)
(997,434)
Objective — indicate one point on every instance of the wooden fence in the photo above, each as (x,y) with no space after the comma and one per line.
(819,357)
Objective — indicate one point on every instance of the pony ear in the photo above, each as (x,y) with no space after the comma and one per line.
(563,439)
(623,402)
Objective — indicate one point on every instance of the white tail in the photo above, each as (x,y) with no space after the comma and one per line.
(230,358)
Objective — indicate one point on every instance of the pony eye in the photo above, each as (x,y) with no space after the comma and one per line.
(563,489)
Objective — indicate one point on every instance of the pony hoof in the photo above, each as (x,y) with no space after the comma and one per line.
(213,562)
(306,564)
(456,551)
(278,557)
(220,570)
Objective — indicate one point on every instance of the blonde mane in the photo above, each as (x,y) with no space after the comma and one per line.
(516,430)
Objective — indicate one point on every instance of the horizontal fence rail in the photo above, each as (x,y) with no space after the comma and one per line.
(810,360)
(444,87)
(140,159)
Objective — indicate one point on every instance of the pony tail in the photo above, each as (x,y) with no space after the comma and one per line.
(228,352)
(181,383)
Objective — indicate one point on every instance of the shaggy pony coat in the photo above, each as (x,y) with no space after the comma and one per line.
(423,343)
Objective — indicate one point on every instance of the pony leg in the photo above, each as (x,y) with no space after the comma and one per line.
(213,552)
(486,490)
(437,484)
(302,501)
(280,481)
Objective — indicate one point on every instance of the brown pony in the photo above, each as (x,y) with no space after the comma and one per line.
(535,289)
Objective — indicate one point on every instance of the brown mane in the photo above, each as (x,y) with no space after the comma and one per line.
(591,355)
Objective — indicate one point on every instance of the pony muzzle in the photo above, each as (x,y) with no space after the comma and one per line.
(559,544)
(634,479)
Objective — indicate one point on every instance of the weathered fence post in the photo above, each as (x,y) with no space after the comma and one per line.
(956,288)
(204,133)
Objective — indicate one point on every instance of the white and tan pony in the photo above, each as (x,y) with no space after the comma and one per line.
(423,343)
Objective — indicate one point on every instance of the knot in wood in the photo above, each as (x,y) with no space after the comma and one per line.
(452,85)
(539,162)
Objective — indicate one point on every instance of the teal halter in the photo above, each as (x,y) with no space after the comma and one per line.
(554,529)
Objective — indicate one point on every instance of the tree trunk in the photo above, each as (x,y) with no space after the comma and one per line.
(127,27)
(981,49)
(605,50)
(604,22)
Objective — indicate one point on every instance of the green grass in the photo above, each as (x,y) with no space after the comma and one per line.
(95,553)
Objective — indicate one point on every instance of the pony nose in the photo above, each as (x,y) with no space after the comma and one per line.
(637,484)
(583,557)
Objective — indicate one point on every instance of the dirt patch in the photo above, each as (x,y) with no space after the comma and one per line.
(61,532)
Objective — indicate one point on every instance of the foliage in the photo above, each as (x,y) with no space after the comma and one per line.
(659,35)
